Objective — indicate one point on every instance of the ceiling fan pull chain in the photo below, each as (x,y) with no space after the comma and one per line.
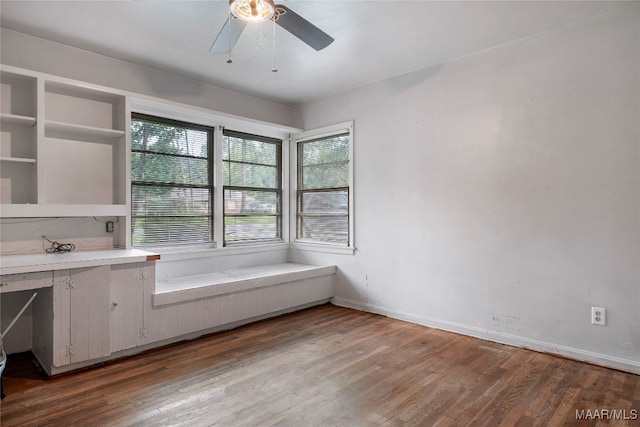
(274,69)
(229,60)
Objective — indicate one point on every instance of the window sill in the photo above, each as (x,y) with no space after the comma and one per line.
(177,254)
(322,247)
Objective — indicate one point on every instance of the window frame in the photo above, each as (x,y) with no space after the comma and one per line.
(307,136)
(217,120)
(279,190)
(210,187)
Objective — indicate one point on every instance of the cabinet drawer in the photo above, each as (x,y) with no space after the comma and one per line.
(25,281)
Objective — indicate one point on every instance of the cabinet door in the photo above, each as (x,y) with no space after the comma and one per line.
(90,313)
(127,313)
(61,318)
(81,314)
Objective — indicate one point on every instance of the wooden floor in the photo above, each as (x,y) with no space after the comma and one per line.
(325,366)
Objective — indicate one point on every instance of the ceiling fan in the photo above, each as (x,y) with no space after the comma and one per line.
(260,10)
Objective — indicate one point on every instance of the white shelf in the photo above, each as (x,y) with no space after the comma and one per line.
(81,130)
(44,211)
(16,119)
(18,160)
(78,89)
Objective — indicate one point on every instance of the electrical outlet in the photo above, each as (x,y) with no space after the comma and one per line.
(599,316)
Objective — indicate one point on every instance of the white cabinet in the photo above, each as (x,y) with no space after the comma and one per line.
(74,316)
(129,283)
(80,315)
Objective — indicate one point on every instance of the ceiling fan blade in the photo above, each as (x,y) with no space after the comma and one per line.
(228,37)
(303,29)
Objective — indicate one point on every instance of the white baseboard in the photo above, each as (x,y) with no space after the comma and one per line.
(632,366)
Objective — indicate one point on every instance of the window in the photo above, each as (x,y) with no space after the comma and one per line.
(171,182)
(323,200)
(252,186)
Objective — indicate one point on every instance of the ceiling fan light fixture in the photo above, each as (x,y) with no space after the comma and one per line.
(252,10)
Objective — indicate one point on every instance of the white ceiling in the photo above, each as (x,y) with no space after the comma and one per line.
(374,40)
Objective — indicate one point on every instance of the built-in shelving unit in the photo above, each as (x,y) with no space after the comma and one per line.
(64,150)
(64,147)
(84,138)
(18,141)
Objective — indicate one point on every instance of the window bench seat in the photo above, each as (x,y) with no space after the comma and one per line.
(190,288)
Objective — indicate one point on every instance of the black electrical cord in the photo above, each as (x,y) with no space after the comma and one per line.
(57,247)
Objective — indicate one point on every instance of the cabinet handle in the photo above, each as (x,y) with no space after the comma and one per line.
(115,303)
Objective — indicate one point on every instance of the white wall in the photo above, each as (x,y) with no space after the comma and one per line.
(25,235)
(32,53)
(498,195)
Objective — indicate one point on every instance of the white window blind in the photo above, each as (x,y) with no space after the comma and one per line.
(252,186)
(171,182)
(323,189)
